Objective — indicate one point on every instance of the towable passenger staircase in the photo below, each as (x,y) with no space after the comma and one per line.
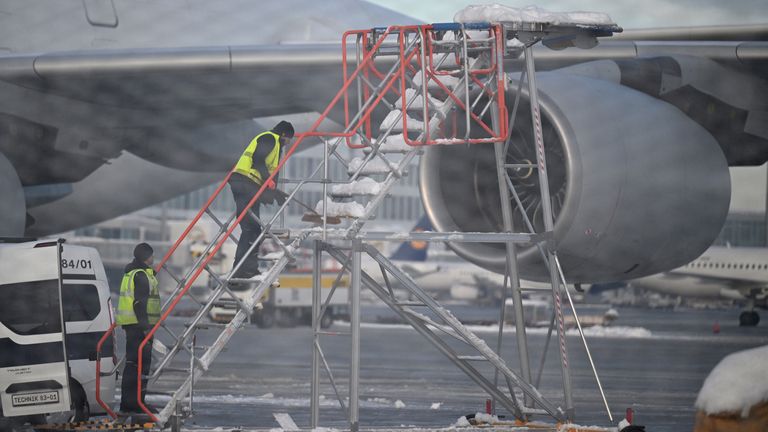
(413,86)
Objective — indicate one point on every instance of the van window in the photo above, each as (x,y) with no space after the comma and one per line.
(81,302)
(31,308)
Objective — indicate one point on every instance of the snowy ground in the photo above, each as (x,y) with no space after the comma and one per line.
(654,361)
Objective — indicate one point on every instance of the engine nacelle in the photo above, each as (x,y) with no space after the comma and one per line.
(637,187)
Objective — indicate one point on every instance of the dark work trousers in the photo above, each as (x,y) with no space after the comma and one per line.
(243,190)
(134,334)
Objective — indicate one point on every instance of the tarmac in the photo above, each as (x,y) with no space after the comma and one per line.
(653,361)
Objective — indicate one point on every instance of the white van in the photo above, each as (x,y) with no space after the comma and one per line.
(47,375)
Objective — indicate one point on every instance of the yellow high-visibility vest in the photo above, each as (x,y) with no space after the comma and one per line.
(245,163)
(125,313)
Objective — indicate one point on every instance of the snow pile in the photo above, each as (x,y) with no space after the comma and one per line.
(373,166)
(501,13)
(380,401)
(363,186)
(736,384)
(347,209)
(623,423)
(399,404)
(461,422)
(486,418)
(436,405)
(617,332)
(395,120)
(416,100)
(515,43)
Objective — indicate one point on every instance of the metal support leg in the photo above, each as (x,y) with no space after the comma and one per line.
(316,301)
(546,206)
(354,364)
(514,278)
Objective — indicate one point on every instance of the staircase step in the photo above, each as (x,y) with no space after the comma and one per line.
(350,209)
(472,358)
(394,119)
(317,219)
(418,102)
(393,144)
(362,186)
(449,81)
(253,280)
(272,256)
(374,166)
(206,325)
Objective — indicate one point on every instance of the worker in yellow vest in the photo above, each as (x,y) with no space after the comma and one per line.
(138,310)
(256,164)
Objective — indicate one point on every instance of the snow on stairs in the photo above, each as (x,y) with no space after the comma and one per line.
(374,162)
(392,144)
(361,186)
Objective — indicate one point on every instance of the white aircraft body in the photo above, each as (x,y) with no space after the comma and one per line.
(739,274)
(107,107)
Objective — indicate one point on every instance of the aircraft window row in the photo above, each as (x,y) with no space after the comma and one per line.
(740,266)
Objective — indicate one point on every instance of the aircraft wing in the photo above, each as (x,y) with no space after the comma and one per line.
(66,114)
(134,91)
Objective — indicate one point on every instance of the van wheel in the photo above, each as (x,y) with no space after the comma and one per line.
(80,411)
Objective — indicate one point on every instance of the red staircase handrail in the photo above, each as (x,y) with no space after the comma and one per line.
(312,132)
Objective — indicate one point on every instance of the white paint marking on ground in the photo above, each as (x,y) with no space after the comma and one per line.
(285,421)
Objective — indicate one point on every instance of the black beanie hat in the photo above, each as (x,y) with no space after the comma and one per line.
(284,128)
(143,251)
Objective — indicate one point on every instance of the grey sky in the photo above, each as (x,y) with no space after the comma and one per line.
(627,13)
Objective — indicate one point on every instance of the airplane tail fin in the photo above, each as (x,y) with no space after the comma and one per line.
(414,250)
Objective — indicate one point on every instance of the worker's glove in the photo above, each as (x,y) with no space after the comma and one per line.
(280,197)
(271,184)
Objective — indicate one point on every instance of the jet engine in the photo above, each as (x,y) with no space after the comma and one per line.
(13,208)
(636,186)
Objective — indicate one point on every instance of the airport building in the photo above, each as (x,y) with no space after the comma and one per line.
(743,229)
(162,223)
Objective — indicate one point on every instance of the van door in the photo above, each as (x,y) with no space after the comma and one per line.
(34,372)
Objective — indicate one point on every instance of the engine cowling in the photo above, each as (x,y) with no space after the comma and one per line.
(637,187)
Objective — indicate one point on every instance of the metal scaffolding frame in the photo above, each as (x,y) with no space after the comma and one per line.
(422,61)
(529,34)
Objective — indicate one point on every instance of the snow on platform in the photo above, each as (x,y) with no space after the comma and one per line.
(736,384)
(501,13)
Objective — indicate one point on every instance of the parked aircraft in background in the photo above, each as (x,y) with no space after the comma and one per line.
(447,276)
(739,274)
(107,107)
(444,276)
